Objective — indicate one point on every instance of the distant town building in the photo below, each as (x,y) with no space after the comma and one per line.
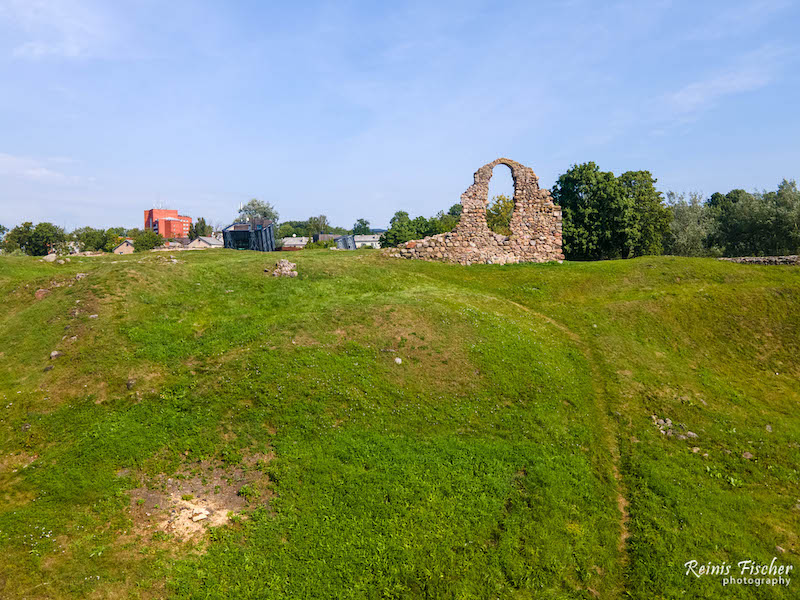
(346,242)
(325,237)
(205,242)
(124,247)
(372,240)
(257,234)
(167,223)
(294,243)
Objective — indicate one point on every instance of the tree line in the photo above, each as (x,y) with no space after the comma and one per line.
(45,237)
(607,216)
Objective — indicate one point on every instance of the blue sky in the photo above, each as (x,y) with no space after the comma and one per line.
(359,109)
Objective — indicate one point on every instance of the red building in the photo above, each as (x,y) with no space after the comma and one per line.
(167,223)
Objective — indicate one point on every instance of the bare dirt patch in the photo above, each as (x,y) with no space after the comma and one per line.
(206,494)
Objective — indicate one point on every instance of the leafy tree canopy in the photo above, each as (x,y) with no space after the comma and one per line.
(35,241)
(200,228)
(610,217)
(318,224)
(361,227)
(498,214)
(147,240)
(257,209)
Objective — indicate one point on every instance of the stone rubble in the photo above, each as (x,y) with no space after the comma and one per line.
(666,427)
(284,268)
(793,259)
(535,226)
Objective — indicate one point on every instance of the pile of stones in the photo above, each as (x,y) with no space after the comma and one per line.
(665,426)
(284,268)
(793,259)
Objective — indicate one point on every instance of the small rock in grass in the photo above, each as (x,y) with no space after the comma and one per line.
(80,276)
(695,449)
(93,316)
(41,293)
(680,436)
(130,383)
(691,434)
(747,455)
(48,368)
(55,354)
(60,261)
(26,427)
(769,428)
(398,360)
(779,549)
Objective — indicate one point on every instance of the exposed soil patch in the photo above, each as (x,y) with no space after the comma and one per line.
(202,495)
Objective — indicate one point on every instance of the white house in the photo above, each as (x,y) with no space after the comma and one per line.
(294,243)
(372,240)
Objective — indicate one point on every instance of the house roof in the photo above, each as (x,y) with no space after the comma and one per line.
(299,239)
(122,243)
(211,241)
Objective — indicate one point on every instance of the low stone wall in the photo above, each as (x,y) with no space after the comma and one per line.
(793,259)
(535,226)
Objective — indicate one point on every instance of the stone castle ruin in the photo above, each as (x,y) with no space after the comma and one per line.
(535,226)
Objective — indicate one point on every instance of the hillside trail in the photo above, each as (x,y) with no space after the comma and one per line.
(607,431)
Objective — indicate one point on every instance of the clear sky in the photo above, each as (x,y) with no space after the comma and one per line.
(359,109)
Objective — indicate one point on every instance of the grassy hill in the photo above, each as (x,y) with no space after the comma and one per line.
(513,451)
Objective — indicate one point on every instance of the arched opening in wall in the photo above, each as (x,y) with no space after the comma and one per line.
(501,200)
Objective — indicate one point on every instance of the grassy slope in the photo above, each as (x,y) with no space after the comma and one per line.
(492,462)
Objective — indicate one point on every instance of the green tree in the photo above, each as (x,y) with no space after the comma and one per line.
(399,218)
(318,224)
(147,240)
(498,214)
(18,238)
(610,217)
(423,227)
(114,238)
(361,227)
(3,230)
(257,209)
(690,228)
(44,237)
(758,223)
(649,218)
(199,229)
(399,233)
(443,222)
(89,239)
(455,210)
(402,228)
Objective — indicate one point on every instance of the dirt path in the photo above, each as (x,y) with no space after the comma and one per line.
(608,429)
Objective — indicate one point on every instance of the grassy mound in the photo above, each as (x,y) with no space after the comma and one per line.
(549,431)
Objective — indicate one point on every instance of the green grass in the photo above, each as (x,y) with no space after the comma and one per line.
(491,463)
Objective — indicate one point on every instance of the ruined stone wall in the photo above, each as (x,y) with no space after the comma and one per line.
(535,226)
